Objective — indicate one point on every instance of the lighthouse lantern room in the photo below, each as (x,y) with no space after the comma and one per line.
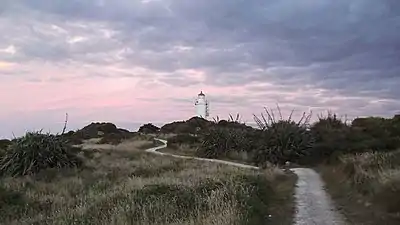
(202,106)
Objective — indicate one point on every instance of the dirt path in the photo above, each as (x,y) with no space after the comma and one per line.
(313,205)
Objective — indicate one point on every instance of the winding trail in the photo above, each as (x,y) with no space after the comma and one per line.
(313,204)
(154,150)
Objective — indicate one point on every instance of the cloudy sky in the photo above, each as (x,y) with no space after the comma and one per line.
(128,61)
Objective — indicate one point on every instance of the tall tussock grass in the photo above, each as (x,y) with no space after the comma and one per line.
(373,175)
(35,152)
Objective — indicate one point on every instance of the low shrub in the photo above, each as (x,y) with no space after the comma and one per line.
(37,151)
(115,138)
(149,128)
(191,126)
(110,132)
(332,138)
(217,143)
(180,139)
(4,143)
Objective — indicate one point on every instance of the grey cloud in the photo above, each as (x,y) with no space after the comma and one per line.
(351,48)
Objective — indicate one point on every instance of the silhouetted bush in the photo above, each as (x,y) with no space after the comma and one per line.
(149,128)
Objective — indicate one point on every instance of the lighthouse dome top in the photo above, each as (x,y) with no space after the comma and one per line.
(201,93)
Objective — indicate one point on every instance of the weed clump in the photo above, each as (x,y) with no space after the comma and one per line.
(35,152)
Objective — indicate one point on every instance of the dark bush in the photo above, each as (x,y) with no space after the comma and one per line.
(183,139)
(36,151)
(107,131)
(217,143)
(4,143)
(149,129)
(191,126)
(279,140)
(282,139)
(331,136)
(115,138)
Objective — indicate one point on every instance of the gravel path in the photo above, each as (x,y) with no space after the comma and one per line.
(313,205)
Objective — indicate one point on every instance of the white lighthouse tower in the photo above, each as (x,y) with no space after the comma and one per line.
(202,106)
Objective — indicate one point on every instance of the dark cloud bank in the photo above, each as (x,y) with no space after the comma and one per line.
(346,48)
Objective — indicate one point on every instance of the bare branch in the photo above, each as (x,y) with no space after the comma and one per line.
(65,124)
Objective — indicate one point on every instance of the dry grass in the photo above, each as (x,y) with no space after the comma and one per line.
(190,150)
(164,136)
(367,187)
(181,149)
(124,185)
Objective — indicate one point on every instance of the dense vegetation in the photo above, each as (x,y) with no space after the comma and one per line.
(360,161)
(279,140)
(121,184)
(360,157)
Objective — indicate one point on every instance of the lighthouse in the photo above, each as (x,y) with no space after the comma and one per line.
(202,106)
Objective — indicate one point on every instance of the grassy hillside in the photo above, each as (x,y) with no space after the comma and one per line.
(121,184)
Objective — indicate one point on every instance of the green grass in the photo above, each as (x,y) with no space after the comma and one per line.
(124,185)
